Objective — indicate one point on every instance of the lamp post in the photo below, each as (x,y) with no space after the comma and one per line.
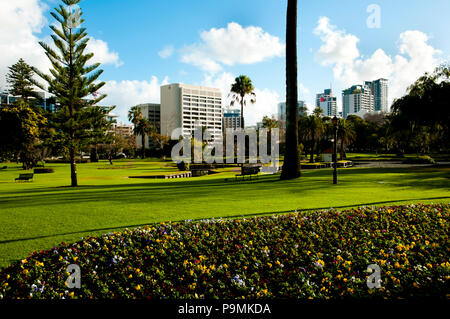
(335,127)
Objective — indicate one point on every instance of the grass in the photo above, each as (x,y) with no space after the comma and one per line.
(43,213)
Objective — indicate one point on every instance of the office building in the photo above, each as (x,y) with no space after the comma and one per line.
(327,102)
(380,90)
(152,112)
(357,100)
(282,110)
(231,119)
(47,103)
(187,106)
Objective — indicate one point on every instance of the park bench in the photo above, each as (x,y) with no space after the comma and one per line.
(24,177)
(248,171)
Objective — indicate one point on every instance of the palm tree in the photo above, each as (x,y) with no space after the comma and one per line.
(135,116)
(346,135)
(315,128)
(240,89)
(291,165)
(142,128)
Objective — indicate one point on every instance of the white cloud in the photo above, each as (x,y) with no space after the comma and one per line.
(166,52)
(20,25)
(230,46)
(340,51)
(20,20)
(125,94)
(102,53)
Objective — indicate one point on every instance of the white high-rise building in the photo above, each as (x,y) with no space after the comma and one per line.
(185,106)
(380,90)
(327,102)
(357,100)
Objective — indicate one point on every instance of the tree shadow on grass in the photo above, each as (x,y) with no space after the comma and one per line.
(249,215)
(153,191)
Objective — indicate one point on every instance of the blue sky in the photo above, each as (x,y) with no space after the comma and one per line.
(343,51)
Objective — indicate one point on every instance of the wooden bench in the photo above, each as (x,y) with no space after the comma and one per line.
(248,171)
(24,177)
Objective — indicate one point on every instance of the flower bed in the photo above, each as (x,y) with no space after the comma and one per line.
(322,254)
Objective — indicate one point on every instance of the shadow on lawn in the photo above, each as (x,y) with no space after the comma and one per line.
(185,189)
(249,215)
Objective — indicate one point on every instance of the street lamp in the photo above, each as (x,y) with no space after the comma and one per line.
(335,127)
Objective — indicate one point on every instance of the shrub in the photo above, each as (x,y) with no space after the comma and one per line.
(43,170)
(420,160)
(321,254)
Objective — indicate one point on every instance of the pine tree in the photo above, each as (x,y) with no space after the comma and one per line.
(20,80)
(72,80)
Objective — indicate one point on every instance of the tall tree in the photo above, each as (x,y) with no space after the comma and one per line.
(134,116)
(142,128)
(72,78)
(291,165)
(20,80)
(346,135)
(240,89)
(315,128)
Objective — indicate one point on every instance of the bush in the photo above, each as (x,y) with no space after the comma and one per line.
(420,160)
(43,170)
(321,254)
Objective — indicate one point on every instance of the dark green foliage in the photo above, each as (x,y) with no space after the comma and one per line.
(73,80)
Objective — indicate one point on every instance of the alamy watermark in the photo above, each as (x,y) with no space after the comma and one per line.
(200,148)
(374,279)
(74,279)
(374,19)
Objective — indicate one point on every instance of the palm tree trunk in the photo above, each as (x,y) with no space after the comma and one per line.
(311,155)
(242,112)
(73,167)
(342,149)
(291,165)
(143,146)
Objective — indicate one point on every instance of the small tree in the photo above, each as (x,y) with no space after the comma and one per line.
(241,89)
(20,127)
(20,80)
(72,80)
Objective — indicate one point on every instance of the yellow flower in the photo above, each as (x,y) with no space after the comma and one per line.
(308,252)
(269,264)
(138,287)
(71,294)
(396,265)
(24,261)
(130,276)
(25,271)
(191,272)
(75,258)
(207,234)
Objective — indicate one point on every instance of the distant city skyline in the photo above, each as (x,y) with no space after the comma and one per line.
(153,43)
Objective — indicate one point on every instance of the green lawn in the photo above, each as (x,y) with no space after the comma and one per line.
(43,213)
